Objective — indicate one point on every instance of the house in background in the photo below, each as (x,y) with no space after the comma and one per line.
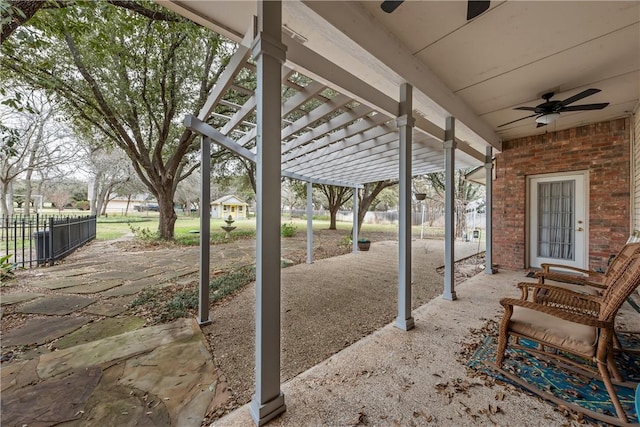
(229,205)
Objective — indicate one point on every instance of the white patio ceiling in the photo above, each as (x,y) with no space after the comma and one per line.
(477,71)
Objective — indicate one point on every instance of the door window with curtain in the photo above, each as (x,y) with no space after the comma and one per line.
(556,211)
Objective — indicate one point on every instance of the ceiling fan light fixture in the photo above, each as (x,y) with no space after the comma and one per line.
(546,119)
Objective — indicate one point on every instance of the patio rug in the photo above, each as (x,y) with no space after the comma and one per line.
(565,384)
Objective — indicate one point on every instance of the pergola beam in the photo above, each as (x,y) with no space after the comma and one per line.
(379,137)
(195,124)
(323,129)
(372,160)
(236,63)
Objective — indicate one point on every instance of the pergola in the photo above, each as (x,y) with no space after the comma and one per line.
(308,127)
(333,122)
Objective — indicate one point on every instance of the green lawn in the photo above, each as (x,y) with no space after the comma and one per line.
(186,228)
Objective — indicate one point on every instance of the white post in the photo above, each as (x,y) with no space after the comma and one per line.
(488,164)
(405,122)
(269,54)
(205,231)
(309,223)
(354,236)
(449,221)
(422,221)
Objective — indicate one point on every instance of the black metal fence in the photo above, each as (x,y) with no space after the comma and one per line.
(42,239)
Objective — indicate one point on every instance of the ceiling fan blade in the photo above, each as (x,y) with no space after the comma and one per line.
(540,125)
(476,7)
(517,120)
(390,6)
(585,107)
(526,108)
(579,96)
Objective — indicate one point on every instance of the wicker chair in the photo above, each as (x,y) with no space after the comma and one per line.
(575,323)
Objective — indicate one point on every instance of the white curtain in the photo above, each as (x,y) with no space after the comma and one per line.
(555,219)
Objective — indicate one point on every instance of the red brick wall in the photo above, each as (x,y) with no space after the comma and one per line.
(603,149)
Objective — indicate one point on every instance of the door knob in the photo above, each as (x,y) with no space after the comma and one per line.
(580,229)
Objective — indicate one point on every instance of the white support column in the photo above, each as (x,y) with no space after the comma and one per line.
(205,231)
(354,236)
(269,54)
(488,165)
(449,221)
(309,223)
(405,122)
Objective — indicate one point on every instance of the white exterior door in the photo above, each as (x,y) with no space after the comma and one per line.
(558,220)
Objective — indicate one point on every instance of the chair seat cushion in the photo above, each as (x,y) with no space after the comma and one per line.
(561,333)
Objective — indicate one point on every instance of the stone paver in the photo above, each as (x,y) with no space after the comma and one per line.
(57,305)
(42,331)
(98,330)
(61,282)
(18,298)
(110,307)
(93,288)
(51,401)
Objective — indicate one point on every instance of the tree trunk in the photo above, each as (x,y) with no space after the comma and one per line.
(333,212)
(3,198)
(106,202)
(93,203)
(168,215)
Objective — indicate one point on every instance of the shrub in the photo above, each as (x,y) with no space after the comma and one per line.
(288,230)
(6,268)
(143,233)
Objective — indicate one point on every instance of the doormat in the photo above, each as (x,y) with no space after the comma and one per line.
(564,384)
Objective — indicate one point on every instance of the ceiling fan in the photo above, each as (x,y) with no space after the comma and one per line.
(550,110)
(474,7)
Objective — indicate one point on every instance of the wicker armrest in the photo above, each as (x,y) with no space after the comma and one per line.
(546,266)
(568,278)
(558,289)
(584,319)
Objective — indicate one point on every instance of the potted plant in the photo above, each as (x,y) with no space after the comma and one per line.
(364,244)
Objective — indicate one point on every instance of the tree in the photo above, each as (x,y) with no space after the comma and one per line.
(368,195)
(336,197)
(60,199)
(188,193)
(464,193)
(131,75)
(109,169)
(38,142)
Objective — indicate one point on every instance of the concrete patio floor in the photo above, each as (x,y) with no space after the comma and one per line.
(397,378)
